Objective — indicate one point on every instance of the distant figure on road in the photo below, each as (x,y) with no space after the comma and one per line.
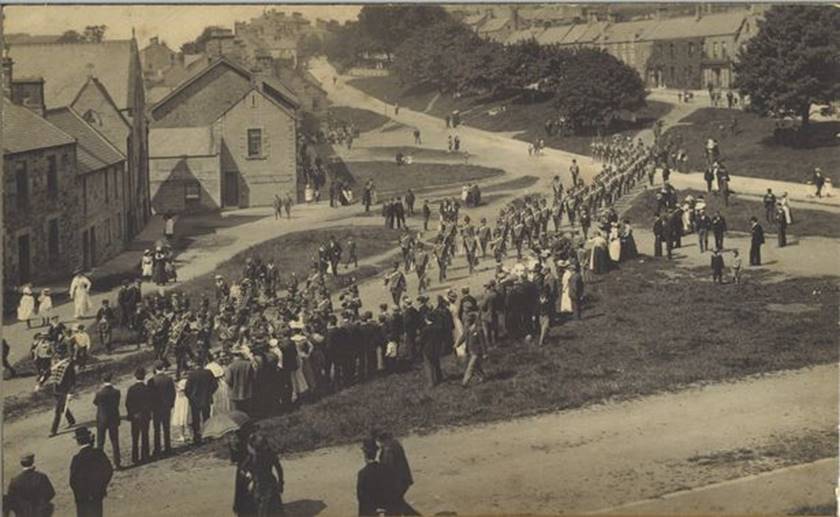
(278,207)
(287,206)
(397,109)
(756,240)
(90,475)
(417,140)
(30,492)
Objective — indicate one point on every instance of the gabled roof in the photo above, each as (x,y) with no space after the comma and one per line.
(24,130)
(173,142)
(93,151)
(717,24)
(624,32)
(66,67)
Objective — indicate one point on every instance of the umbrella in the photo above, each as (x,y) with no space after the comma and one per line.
(221,424)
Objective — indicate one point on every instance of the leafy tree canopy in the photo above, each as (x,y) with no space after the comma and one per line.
(793,61)
(387,25)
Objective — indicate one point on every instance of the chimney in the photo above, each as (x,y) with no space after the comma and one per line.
(8,66)
(153,40)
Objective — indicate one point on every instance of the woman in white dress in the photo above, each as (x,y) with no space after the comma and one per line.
(147,264)
(615,244)
(80,294)
(45,307)
(784,203)
(565,297)
(458,325)
(221,398)
(26,306)
(180,423)
(301,378)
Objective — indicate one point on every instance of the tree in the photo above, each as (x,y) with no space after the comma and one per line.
(594,88)
(309,45)
(388,25)
(793,61)
(345,46)
(71,36)
(95,33)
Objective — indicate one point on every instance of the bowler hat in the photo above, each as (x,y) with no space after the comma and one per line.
(27,459)
(83,435)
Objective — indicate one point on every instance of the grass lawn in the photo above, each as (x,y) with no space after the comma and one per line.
(681,329)
(291,253)
(522,114)
(393,180)
(364,120)
(806,222)
(752,150)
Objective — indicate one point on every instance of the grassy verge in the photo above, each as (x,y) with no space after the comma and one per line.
(807,223)
(701,332)
(291,253)
(362,119)
(524,114)
(393,180)
(753,151)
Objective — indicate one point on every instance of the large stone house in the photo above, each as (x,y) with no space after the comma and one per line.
(102,82)
(226,137)
(156,58)
(40,199)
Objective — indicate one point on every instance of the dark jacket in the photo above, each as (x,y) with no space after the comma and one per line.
(163,389)
(140,400)
(107,402)
(90,474)
(201,385)
(376,489)
(392,455)
(29,495)
(757,233)
(717,263)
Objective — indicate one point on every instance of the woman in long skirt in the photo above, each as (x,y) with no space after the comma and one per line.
(221,398)
(615,244)
(629,251)
(181,417)
(599,262)
(26,306)
(147,265)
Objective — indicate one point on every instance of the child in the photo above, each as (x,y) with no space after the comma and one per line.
(45,307)
(736,267)
(81,346)
(105,320)
(26,306)
(717,266)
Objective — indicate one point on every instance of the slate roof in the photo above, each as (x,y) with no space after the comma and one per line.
(64,67)
(708,25)
(93,151)
(23,130)
(172,142)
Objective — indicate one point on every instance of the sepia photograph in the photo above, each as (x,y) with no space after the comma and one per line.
(365,259)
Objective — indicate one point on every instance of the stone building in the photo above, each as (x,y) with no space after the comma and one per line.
(41,202)
(101,183)
(103,82)
(156,58)
(224,138)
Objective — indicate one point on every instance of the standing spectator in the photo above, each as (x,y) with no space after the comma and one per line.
(709,176)
(139,402)
(427,214)
(201,384)
(819,181)
(26,306)
(376,485)
(781,225)
(80,294)
(769,205)
(30,492)
(107,402)
(351,253)
(718,229)
(409,201)
(124,302)
(6,365)
(717,266)
(163,390)
(287,205)
(576,287)
(45,306)
(169,227)
(703,223)
(42,353)
(64,379)
(90,475)
(736,267)
(392,455)
(574,170)
(756,240)
(240,379)
(430,348)
(81,346)
(417,140)
(105,320)
(474,340)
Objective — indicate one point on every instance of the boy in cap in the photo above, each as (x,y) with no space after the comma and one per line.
(30,492)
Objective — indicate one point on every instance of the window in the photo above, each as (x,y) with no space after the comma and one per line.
(715,50)
(192,191)
(254,143)
(52,241)
(672,50)
(65,163)
(52,177)
(116,185)
(22,186)
(107,190)
(108,232)
(723,49)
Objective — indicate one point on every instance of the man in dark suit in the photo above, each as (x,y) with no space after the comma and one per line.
(376,484)
(163,389)
(201,384)
(392,455)
(756,240)
(139,402)
(64,375)
(576,291)
(90,474)
(107,402)
(781,223)
(30,492)
(240,378)
(717,266)
(718,229)
(658,234)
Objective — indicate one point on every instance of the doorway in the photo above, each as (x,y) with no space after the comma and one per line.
(24,260)
(230,197)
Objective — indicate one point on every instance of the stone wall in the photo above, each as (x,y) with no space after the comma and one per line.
(185,184)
